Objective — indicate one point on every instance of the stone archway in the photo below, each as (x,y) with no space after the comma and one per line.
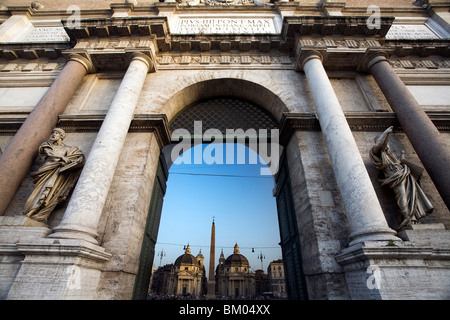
(221,107)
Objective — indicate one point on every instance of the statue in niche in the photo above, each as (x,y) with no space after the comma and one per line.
(54,180)
(403,177)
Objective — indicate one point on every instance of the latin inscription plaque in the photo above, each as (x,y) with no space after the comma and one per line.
(225,25)
(411,32)
(47,34)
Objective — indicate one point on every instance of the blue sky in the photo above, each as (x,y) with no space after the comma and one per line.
(242,205)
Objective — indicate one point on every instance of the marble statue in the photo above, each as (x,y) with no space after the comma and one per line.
(403,177)
(54,180)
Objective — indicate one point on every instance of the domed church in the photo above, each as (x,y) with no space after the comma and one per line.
(233,277)
(187,276)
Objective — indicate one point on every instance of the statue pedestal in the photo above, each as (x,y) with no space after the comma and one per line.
(58,269)
(433,235)
(211,290)
(416,268)
(21,221)
(13,230)
(35,267)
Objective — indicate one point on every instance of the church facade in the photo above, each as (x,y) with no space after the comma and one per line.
(347,102)
(233,278)
(188,276)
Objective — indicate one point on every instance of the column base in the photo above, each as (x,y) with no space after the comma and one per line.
(378,234)
(58,269)
(74,232)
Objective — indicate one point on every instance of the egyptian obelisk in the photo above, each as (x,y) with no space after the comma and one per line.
(211,288)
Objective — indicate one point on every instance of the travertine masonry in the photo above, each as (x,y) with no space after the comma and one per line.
(334,216)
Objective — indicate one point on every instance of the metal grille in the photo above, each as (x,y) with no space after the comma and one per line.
(224,113)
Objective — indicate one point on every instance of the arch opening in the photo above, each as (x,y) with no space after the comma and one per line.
(211,143)
(225,87)
(236,196)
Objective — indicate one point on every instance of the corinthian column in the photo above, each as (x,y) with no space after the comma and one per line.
(83,212)
(421,132)
(17,158)
(364,213)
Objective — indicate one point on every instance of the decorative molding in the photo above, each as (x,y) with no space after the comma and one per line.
(422,48)
(421,63)
(221,3)
(333,25)
(290,122)
(357,121)
(91,254)
(25,66)
(340,54)
(218,60)
(141,123)
(32,51)
(118,27)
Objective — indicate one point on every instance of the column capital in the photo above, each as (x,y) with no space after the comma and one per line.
(85,61)
(307,55)
(144,58)
(371,58)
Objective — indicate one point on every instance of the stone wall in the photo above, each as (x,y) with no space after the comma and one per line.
(125,214)
(321,219)
(322,224)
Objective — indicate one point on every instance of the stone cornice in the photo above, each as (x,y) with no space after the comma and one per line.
(336,25)
(339,54)
(117,27)
(156,123)
(419,47)
(13,51)
(91,254)
(358,121)
(343,41)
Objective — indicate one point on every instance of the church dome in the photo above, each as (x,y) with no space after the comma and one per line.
(236,259)
(186,259)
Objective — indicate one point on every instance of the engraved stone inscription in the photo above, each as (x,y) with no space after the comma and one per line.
(47,34)
(225,25)
(411,32)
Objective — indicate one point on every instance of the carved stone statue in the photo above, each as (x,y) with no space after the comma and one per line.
(54,180)
(403,177)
